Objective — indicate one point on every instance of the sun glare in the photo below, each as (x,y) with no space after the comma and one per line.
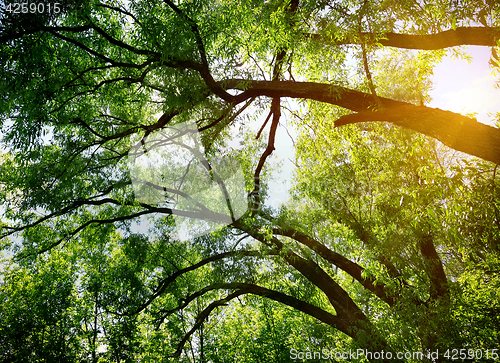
(467,87)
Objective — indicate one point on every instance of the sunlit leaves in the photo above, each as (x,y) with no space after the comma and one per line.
(118,284)
(38,312)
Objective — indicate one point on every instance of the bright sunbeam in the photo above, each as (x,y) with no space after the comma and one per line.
(465,87)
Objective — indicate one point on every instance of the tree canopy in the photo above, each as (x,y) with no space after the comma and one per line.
(126,122)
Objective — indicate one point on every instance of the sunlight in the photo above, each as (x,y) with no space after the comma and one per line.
(467,88)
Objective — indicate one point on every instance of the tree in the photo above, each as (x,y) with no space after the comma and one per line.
(385,229)
(37,317)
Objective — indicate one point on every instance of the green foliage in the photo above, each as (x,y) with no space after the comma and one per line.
(388,204)
(390,240)
(39,313)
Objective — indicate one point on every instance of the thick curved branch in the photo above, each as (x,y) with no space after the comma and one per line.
(243,288)
(335,95)
(338,297)
(204,69)
(353,269)
(348,313)
(293,302)
(163,284)
(481,36)
(454,130)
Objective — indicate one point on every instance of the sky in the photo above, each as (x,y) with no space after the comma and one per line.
(464,87)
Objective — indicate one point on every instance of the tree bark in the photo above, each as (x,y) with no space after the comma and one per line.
(353,269)
(481,36)
(452,129)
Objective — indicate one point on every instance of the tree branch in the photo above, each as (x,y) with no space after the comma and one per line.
(454,130)
(338,297)
(439,283)
(204,70)
(163,284)
(18,35)
(202,317)
(93,52)
(336,95)
(244,288)
(83,226)
(120,11)
(276,112)
(353,269)
(481,36)
(122,44)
